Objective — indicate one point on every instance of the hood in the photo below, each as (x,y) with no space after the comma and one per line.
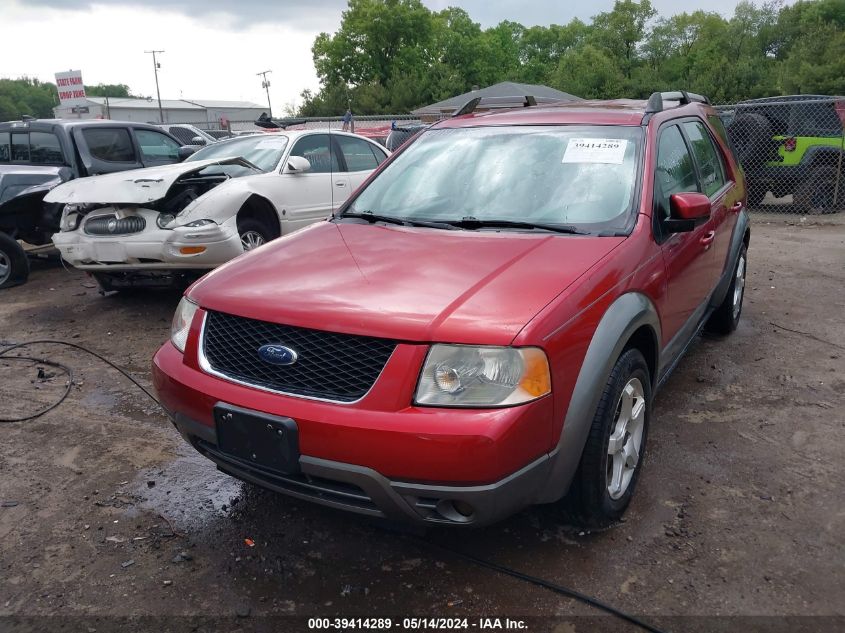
(136,186)
(405,283)
(23,180)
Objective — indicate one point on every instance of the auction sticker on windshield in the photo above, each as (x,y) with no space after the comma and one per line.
(595,150)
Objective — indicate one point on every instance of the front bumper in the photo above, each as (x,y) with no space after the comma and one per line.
(364,491)
(151,249)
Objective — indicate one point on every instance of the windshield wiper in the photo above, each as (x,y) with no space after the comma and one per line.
(471,222)
(371,217)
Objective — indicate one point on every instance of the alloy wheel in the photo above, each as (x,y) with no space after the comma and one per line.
(251,240)
(625,443)
(5,267)
(739,286)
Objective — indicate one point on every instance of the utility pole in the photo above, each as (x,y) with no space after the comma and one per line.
(265,83)
(156,66)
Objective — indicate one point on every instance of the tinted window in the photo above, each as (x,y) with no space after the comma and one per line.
(675,171)
(20,146)
(316,149)
(358,155)
(110,144)
(709,162)
(155,146)
(4,147)
(815,119)
(44,147)
(183,134)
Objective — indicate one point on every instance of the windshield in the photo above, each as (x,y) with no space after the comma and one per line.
(264,150)
(554,175)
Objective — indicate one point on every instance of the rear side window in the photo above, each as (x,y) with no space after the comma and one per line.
(358,154)
(4,147)
(110,144)
(44,148)
(155,146)
(20,146)
(675,169)
(183,134)
(709,162)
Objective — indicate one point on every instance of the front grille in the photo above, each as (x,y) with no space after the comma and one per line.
(329,366)
(109,225)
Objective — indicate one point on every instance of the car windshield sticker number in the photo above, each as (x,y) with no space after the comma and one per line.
(595,150)
(269,143)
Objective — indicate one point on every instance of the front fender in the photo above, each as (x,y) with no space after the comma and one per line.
(220,204)
(624,317)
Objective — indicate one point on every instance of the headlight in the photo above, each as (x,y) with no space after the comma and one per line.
(164,220)
(466,376)
(197,223)
(70,217)
(182,323)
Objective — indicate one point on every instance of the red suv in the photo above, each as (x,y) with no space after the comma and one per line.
(482,326)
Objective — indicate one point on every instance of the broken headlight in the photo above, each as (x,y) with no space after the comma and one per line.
(182,323)
(164,220)
(197,223)
(71,215)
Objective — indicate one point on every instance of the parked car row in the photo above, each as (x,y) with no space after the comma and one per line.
(168,220)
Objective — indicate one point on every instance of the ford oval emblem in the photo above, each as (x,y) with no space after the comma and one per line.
(277,354)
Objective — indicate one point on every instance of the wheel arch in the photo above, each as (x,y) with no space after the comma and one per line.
(259,208)
(631,321)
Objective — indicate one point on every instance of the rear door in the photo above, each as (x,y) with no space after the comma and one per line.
(360,158)
(688,256)
(106,149)
(315,194)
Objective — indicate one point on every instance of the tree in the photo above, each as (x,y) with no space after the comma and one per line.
(26,96)
(109,90)
(621,30)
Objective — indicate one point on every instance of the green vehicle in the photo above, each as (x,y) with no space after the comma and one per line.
(791,145)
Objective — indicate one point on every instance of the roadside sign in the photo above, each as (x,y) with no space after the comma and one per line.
(71,88)
(79,109)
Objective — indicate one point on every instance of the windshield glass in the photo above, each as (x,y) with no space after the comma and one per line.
(263,150)
(555,175)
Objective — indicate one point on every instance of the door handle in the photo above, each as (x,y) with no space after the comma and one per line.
(737,207)
(708,238)
(340,183)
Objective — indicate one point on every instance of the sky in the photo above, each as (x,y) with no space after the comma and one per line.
(214,48)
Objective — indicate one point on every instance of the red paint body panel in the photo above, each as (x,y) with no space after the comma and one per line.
(421,286)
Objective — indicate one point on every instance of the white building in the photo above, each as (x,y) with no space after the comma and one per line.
(203,113)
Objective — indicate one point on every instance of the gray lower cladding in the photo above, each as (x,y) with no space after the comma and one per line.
(365,491)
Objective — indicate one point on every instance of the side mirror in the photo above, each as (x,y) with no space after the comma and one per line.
(186,151)
(685,209)
(198,140)
(298,165)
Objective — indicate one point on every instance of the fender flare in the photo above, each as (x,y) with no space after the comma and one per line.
(625,316)
(737,240)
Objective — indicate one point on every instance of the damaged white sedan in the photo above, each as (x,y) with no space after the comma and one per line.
(159,225)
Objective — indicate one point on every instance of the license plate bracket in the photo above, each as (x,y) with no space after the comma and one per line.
(267,441)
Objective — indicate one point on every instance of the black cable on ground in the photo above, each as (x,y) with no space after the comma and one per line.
(501,569)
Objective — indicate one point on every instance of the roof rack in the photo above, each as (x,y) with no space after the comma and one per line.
(655,101)
(526,101)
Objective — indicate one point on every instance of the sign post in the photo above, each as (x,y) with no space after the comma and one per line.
(72,91)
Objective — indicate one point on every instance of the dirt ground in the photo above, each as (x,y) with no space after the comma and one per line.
(107,517)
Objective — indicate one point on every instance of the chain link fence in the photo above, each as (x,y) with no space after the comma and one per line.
(791,149)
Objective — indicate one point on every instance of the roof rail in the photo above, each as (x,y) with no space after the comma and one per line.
(655,101)
(469,107)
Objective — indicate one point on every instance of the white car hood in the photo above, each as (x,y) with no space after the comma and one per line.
(136,186)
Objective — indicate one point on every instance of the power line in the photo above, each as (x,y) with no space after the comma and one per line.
(156,66)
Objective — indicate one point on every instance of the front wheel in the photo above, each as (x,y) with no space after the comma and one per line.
(14,265)
(253,234)
(613,454)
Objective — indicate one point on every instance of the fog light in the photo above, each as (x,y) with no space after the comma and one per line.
(463,508)
(192,250)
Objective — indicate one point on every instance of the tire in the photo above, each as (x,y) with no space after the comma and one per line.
(606,478)
(726,317)
(14,264)
(751,135)
(253,233)
(816,194)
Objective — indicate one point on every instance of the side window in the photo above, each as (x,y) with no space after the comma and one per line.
(183,134)
(155,146)
(717,124)
(709,162)
(358,154)
(110,144)
(316,148)
(20,146)
(44,148)
(675,172)
(4,147)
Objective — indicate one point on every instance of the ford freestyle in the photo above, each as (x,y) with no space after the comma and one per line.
(482,326)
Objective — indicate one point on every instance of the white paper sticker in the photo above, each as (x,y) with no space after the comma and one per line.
(595,150)
(269,143)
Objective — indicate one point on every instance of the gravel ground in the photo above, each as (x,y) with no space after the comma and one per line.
(107,518)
